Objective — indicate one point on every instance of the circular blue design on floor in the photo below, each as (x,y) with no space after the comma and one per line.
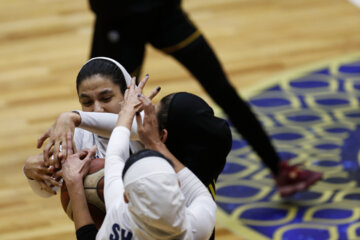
(304,118)
(237,191)
(325,163)
(264,214)
(286,136)
(332,101)
(352,196)
(327,146)
(306,234)
(330,213)
(337,130)
(349,69)
(238,144)
(270,102)
(336,180)
(356,86)
(313,120)
(353,115)
(305,84)
(287,155)
(231,168)
(306,196)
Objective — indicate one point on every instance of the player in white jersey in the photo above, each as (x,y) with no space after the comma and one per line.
(100,85)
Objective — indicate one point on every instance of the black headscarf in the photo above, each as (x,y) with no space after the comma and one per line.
(200,140)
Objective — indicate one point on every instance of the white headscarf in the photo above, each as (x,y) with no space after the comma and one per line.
(123,70)
(156,204)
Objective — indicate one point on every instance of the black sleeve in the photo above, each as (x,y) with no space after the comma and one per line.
(87,232)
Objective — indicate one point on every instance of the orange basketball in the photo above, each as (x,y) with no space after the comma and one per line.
(94,187)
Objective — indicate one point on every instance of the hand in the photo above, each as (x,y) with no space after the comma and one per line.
(76,166)
(65,123)
(131,101)
(148,129)
(133,91)
(35,169)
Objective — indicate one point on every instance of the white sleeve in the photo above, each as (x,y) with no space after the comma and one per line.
(102,124)
(116,154)
(201,208)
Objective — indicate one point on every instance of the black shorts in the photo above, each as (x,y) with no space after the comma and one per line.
(124,39)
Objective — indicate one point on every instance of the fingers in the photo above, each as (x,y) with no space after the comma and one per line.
(69,144)
(42,139)
(92,151)
(87,161)
(55,156)
(143,82)
(58,174)
(86,166)
(45,187)
(145,101)
(46,153)
(133,83)
(154,92)
(126,94)
(139,122)
(51,180)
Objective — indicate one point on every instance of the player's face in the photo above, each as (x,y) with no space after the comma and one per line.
(99,94)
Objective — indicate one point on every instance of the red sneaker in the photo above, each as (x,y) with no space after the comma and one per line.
(291,179)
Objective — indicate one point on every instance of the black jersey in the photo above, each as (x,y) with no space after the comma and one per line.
(123,8)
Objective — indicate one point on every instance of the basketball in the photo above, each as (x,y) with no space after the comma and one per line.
(94,186)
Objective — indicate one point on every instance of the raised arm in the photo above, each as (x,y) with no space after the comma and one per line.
(74,169)
(201,208)
(118,147)
(102,124)
(149,132)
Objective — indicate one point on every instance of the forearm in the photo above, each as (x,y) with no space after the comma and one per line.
(102,124)
(201,208)
(81,213)
(116,154)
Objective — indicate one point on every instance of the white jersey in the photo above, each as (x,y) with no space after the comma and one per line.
(200,207)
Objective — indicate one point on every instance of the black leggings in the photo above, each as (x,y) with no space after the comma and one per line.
(170,30)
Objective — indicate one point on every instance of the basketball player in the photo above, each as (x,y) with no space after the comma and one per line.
(100,84)
(123,28)
(156,206)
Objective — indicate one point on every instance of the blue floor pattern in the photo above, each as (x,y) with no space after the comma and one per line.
(313,119)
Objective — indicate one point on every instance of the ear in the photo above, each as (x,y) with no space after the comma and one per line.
(125,198)
(163,135)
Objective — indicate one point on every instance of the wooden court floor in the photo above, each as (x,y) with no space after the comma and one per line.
(43,43)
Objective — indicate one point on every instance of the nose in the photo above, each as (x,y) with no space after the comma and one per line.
(98,107)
